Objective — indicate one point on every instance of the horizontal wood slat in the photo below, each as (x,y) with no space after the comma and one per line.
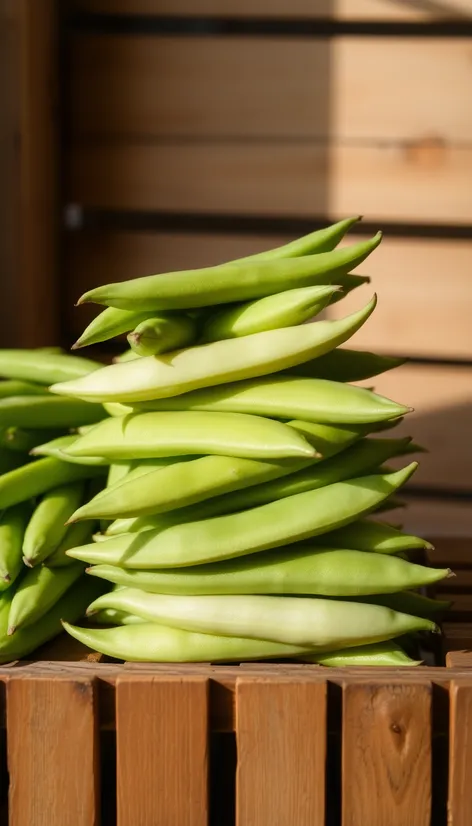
(142,88)
(427,182)
(424,286)
(338,9)
(434,517)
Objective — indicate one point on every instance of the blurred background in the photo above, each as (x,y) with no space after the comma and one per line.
(140,136)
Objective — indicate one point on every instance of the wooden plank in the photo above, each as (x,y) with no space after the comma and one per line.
(386,771)
(145,88)
(28,235)
(52,751)
(162,755)
(281,742)
(457,636)
(459,659)
(454,551)
(385,10)
(460,754)
(434,517)
(287,179)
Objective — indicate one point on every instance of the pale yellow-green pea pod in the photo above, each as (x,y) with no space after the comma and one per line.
(13,387)
(227,283)
(76,535)
(162,333)
(150,642)
(152,435)
(13,522)
(71,606)
(346,365)
(296,570)
(311,621)
(366,535)
(43,367)
(268,526)
(38,591)
(47,412)
(316,400)
(410,602)
(217,485)
(322,240)
(117,472)
(47,526)
(128,355)
(285,309)
(109,616)
(39,476)
(386,654)
(56,448)
(181,371)
(109,323)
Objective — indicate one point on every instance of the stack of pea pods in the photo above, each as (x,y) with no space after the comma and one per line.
(245,471)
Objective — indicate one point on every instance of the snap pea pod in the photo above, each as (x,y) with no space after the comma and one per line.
(12,387)
(71,606)
(316,400)
(322,240)
(387,653)
(150,642)
(236,281)
(47,526)
(149,435)
(13,522)
(128,355)
(162,333)
(25,440)
(56,448)
(297,569)
(346,365)
(78,534)
(109,323)
(37,592)
(410,602)
(43,367)
(117,472)
(380,537)
(38,477)
(155,377)
(312,621)
(47,412)
(111,617)
(285,309)
(268,526)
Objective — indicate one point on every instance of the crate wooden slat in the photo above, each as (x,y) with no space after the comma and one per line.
(384,10)
(52,751)
(460,754)
(281,752)
(268,178)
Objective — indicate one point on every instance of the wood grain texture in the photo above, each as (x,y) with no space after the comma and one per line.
(385,10)
(208,88)
(386,754)
(460,754)
(457,636)
(454,551)
(161,727)
(435,517)
(459,659)
(52,751)
(281,742)
(293,179)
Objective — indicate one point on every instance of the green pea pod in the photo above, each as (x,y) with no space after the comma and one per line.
(322,240)
(12,387)
(226,283)
(268,526)
(47,412)
(380,537)
(111,617)
(162,334)
(299,569)
(316,400)
(56,448)
(387,653)
(318,623)
(25,440)
(78,534)
(43,367)
(38,591)
(71,606)
(47,526)
(410,602)
(128,355)
(38,477)
(285,309)
(346,365)
(117,472)
(150,435)
(156,377)
(13,522)
(109,323)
